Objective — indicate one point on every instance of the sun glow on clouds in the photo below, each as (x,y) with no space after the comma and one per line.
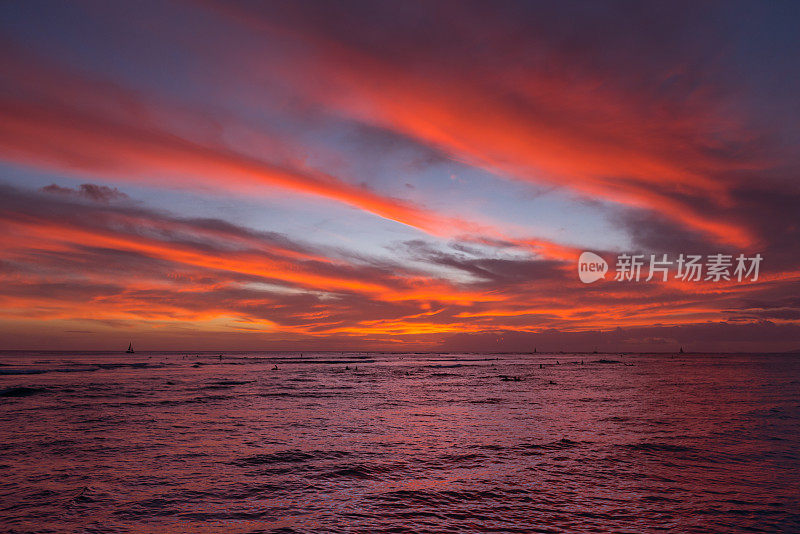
(392,168)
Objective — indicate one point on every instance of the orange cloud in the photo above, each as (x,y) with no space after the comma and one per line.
(52,132)
(569,128)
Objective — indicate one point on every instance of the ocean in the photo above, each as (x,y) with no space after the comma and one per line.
(386,442)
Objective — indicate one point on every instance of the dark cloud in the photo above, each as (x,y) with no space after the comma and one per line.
(499,273)
(653,233)
(97,193)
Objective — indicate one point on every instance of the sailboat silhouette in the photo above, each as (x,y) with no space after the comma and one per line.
(130,348)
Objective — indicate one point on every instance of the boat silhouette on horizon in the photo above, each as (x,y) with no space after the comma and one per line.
(130,349)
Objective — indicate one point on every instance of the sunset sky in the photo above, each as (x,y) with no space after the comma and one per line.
(194,175)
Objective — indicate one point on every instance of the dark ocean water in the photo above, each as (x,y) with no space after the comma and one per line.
(370,442)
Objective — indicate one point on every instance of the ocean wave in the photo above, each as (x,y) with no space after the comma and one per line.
(21,391)
(288,456)
(559,445)
(658,447)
